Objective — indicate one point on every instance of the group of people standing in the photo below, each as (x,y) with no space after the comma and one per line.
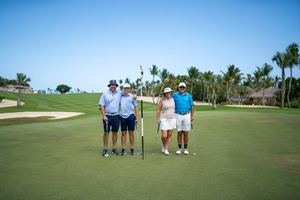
(118,107)
(174,111)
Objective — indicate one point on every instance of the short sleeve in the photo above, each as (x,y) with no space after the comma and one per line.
(102,100)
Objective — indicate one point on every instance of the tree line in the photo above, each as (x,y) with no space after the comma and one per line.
(210,87)
(223,87)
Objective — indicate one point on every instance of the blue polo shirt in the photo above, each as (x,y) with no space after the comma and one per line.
(128,104)
(183,102)
(111,101)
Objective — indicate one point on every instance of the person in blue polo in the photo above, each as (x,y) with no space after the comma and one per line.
(109,107)
(128,117)
(184,111)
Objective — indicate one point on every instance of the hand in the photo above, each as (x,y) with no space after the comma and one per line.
(105,119)
(192,118)
(158,121)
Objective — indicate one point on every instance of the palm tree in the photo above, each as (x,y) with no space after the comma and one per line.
(206,78)
(22,81)
(121,82)
(193,73)
(281,60)
(293,60)
(265,78)
(248,81)
(164,76)
(153,72)
(231,78)
(127,80)
(148,88)
(276,81)
(210,81)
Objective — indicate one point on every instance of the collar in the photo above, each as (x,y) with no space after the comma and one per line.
(116,91)
(126,95)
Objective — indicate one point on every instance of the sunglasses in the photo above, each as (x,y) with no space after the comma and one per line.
(181,87)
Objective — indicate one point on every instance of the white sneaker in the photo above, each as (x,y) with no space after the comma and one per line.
(167,152)
(163,150)
(178,152)
(185,152)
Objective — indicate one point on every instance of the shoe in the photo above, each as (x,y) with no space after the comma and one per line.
(104,153)
(115,152)
(178,152)
(167,152)
(185,152)
(132,152)
(163,150)
(123,152)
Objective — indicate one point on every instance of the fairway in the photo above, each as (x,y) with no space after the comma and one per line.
(239,155)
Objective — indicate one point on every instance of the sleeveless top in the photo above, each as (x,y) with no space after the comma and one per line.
(168,109)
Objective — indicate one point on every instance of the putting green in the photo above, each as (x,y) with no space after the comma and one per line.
(239,155)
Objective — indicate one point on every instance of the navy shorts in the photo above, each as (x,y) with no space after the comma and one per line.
(128,124)
(113,124)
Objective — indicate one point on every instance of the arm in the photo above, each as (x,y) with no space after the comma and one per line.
(192,114)
(192,109)
(102,110)
(159,106)
(136,114)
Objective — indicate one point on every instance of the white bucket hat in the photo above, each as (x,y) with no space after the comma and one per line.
(167,89)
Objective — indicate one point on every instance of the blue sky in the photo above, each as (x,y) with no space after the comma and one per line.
(85,43)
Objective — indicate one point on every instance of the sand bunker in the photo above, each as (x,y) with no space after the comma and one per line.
(251,106)
(9,103)
(51,115)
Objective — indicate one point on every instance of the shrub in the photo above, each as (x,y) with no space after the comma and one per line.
(1,98)
(295,103)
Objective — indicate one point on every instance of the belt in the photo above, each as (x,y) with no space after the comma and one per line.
(183,113)
(111,114)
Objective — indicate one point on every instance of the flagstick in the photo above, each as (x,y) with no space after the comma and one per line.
(142,112)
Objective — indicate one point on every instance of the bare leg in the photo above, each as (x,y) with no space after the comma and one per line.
(105,140)
(179,138)
(164,138)
(131,139)
(123,139)
(186,137)
(114,139)
(168,142)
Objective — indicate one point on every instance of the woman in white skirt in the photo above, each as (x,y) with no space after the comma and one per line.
(165,116)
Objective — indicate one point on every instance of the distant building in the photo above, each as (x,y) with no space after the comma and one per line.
(269,96)
(14,88)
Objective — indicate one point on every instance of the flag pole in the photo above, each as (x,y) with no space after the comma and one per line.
(142,112)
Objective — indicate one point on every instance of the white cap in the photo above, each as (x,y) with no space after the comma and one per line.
(167,89)
(126,85)
(182,84)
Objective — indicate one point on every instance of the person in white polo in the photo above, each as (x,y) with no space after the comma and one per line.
(165,116)
(184,109)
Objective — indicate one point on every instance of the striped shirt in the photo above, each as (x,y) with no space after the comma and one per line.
(183,102)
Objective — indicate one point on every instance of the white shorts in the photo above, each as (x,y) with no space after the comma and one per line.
(167,124)
(183,122)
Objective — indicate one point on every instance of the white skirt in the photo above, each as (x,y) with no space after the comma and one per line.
(167,124)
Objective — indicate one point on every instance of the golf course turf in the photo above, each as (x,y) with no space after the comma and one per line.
(239,154)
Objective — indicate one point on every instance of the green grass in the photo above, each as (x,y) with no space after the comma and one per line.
(241,154)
